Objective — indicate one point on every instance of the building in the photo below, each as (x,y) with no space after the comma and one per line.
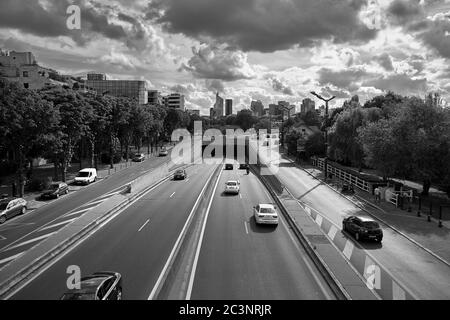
(135,89)
(308,105)
(274,110)
(257,108)
(194,112)
(286,109)
(22,67)
(212,113)
(228,107)
(175,101)
(155,98)
(218,106)
(96,76)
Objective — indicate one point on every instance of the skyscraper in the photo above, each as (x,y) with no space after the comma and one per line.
(218,106)
(228,107)
(308,105)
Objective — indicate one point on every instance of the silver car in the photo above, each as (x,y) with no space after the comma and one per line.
(11,207)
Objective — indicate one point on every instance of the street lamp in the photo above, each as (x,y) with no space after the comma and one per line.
(325,128)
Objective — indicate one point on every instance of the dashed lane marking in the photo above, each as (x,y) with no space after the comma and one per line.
(348,250)
(172,195)
(319,220)
(146,222)
(332,233)
(246,228)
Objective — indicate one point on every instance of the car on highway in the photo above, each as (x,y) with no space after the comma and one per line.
(55,190)
(86,176)
(363,228)
(11,207)
(229,166)
(265,214)
(180,175)
(232,187)
(139,157)
(163,152)
(99,286)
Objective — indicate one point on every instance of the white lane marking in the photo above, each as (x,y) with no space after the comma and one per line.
(240,195)
(348,250)
(11,258)
(308,210)
(332,233)
(199,246)
(47,266)
(45,236)
(59,224)
(319,220)
(76,212)
(2,238)
(146,222)
(95,202)
(172,253)
(397,292)
(186,180)
(172,195)
(246,229)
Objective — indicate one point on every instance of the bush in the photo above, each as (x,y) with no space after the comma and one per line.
(105,158)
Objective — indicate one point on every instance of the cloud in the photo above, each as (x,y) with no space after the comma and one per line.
(346,79)
(214,85)
(404,11)
(279,86)
(214,62)
(399,83)
(385,61)
(264,25)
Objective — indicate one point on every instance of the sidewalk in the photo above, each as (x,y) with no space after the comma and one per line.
(426,234)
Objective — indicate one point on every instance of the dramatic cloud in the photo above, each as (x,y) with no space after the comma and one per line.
(385,61)
(214,62)
(264,25)
(405,11)
(399,83)
(279,86)
(345,79)
(215,85)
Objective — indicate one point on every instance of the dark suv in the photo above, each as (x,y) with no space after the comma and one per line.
(99,286)
(363,228)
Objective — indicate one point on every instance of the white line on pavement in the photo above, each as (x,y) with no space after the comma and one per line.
(58,224)
(332,233)
(397,292)
(172,195)
(146,222)
(76,212)
(348,250)
(45,236)
(2,238)
(95,202)
(200,241)
(246,229)
(319,220)
(11,258)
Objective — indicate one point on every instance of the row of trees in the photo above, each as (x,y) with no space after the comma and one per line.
(403,137)
(56,122)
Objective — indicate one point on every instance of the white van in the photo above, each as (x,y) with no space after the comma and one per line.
(86,176)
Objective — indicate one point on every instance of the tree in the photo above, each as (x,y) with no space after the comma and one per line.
(245,119)
(315,145)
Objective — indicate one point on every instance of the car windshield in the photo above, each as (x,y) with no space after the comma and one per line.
(371,225)
(267,210)
(231,184)
(3,206)
(83,174)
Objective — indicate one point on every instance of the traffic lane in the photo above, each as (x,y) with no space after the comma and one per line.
(16,228)
(240,260)
(416,269)
(136,243)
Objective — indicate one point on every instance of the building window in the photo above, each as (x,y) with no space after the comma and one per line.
(25,74)
(26,85)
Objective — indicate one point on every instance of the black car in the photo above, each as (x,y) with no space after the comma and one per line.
(243,166)
(55,190)
(180,175)
(229,166)
(363,228)
(99,286)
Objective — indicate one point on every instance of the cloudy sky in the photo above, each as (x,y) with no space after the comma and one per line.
(267,50)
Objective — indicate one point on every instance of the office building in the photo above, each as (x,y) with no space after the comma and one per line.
(155,98)
(175,101)
(257,108)
(134,89)
(274,110)
(228,107)
(22,67)
(218,106)
(307,106)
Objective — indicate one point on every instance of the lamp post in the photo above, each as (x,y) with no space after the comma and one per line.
(325,129)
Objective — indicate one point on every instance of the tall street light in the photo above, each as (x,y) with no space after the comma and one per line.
(325,128)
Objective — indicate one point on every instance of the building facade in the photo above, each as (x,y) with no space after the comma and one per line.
(308,105)
(257,108)
(228,107)
(155,98)
(219,106)
(22,67)
(194,112)
(175,101)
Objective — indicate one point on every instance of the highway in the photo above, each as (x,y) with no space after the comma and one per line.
(238,260)
(424,275)
(21,233)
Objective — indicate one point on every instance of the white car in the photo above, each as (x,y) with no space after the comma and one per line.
(86,176)
(232,187)
(265,214)
(163,152)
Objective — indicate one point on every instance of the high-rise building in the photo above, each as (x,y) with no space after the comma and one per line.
(155,98)
(257,108)
(22,67)
(218,106)
(175,101)
(274,110)
(135,89)
(228,107)
(307,106)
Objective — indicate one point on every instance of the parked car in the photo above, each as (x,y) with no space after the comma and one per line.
(243,166)
(180,175)
(363,228)
(86,176)
(99,286)
(163,152)
(265,214)
(139,157)
(229,166)
(11,207)
(232,187)
(55,190)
